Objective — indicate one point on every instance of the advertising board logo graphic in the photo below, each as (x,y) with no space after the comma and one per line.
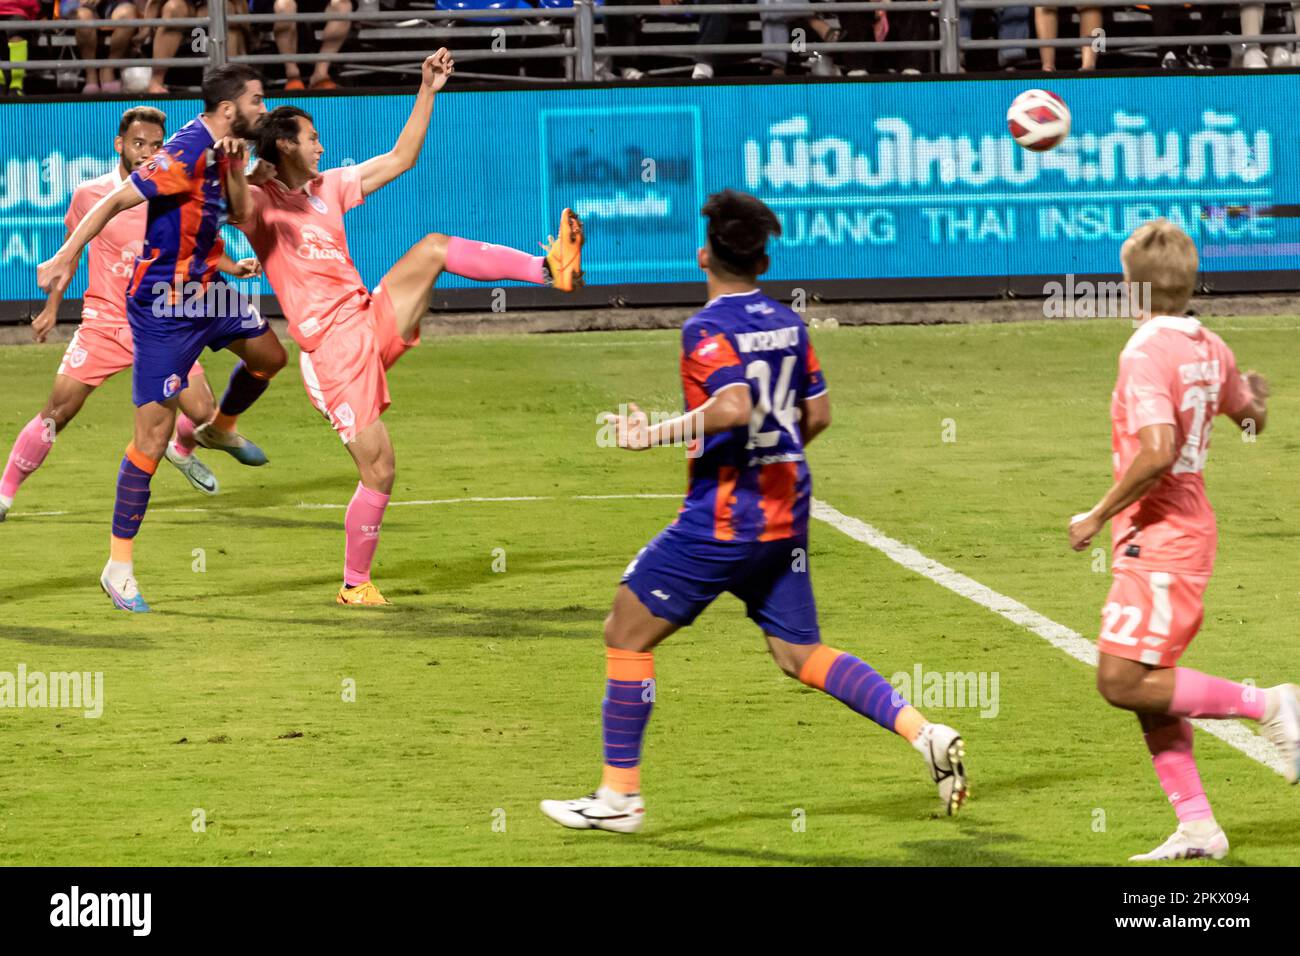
(635,177)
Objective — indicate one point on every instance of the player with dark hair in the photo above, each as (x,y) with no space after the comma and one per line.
(174,311)
(755,396)
(101,347)
(350,336)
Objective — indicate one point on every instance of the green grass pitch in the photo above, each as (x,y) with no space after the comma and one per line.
(478,693)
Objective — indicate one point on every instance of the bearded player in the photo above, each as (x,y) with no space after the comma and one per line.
(756,393)
(194,183)
(102,346)
(351,336)
(1175,376)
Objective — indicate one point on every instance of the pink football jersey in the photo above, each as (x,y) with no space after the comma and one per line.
(112,253)
(1173,371)
(298,235)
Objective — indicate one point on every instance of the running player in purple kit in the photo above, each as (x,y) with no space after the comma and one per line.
(192,185)
(755,392)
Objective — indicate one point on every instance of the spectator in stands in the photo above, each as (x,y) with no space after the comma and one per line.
(1252,24)
(624,31)
(15,48)
(1012,24)
(167,40)
(333,35)
(1089,22)
(119,42)
(882,27)
(1169,21)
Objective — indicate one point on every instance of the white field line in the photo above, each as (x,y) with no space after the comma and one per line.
(1059,636)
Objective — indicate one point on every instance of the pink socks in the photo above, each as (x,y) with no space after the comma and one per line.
(365,515)
(1200,695)
(486,262)
(184,442)
(1171,753)
(30,449)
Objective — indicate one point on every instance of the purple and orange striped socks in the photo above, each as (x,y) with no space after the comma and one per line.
(624,713)
(857,685)
(132,499)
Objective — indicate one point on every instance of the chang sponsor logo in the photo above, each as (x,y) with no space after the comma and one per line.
(319,244)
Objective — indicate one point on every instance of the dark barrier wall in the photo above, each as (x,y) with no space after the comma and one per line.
(883,187)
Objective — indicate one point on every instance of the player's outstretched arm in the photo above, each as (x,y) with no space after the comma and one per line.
(384,168)
(1157,455)
(728,408)
(1254,414)
(48,315)
(56,272)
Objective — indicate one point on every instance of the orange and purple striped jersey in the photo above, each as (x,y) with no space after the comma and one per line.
(750,483)
(183,184)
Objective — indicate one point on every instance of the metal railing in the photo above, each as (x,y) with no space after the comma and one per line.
(579,49)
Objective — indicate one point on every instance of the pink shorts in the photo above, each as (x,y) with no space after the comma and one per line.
(346,376)
(98,352)
(1151,616)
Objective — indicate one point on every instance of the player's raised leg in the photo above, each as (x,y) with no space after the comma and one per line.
(631,634)
(196,408)
(858,686)
(411,280)
(154,422)
(37,436)
(262,356)
(372,450)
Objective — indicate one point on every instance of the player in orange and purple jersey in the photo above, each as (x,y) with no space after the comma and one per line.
(1175,376)
(174,309)
(755,397)
(350,336)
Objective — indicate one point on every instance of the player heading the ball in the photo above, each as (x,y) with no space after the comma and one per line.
(191,185)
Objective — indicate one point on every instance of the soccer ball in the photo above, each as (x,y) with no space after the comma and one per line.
(1038,120)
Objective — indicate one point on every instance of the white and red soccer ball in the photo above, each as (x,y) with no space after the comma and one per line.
(1038,120)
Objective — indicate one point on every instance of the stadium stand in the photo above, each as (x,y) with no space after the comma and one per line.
(150,46)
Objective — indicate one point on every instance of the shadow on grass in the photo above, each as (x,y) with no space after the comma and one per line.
(68,637)
(406,621)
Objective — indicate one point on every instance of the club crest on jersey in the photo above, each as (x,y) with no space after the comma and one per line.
(318,204)
(347,418)
(171,386)
(77,357)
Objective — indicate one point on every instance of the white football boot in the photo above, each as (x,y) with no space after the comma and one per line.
(1190,842)
(196,473)
(603,810)
(1281,727)
(5,505)
(945,753)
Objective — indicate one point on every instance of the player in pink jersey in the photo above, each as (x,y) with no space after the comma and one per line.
(1175,376)
(350,336)
(102,346)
